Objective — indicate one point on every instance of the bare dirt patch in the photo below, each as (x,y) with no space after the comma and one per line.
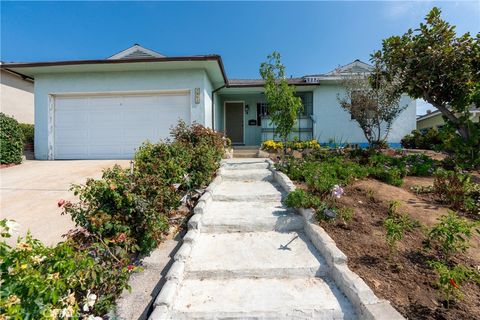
(407,281)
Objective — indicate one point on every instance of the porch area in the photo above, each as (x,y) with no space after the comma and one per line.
(242,113)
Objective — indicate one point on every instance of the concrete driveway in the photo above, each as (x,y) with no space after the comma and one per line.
(29,194)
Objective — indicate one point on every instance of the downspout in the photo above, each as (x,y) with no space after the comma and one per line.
(213,104)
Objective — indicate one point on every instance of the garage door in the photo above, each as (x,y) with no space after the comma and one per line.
(112,127)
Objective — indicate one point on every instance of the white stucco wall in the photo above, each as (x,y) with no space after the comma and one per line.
(16,97)
(334,123)
(48,84)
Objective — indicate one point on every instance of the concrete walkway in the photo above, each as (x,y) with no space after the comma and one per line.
(252,259)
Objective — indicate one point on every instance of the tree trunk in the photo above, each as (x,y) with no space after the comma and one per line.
(462,128)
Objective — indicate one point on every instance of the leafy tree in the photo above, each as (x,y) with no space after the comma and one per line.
(373,103)
(435,64)
(283,105)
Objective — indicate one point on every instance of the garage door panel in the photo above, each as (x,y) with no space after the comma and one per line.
(113,127)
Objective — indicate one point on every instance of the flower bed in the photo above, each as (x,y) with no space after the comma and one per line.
(118,217)
(418,262)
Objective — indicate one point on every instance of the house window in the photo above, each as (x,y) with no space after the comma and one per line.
(262,111)
(307,110)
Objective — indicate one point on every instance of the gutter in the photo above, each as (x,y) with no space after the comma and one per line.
(213,103)
(24,77)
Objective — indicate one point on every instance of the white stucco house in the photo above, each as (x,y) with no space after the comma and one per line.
(104,109)
(16,96)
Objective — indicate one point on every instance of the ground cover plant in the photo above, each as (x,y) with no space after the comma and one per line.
(119,217)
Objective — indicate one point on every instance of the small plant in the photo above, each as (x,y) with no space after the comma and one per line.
(450,280)
(390,175)
(346,214)
(396,224)
(457,190)
(451,234)
(302,199)
(421,189)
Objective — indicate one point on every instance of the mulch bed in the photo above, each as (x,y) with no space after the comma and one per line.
(406,281)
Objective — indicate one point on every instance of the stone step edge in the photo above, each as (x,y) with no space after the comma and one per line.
(266,273)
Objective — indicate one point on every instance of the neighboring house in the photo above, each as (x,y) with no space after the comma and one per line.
(434,119)
(16,96)
(93,109)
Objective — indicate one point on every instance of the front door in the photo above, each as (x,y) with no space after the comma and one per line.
(234,121)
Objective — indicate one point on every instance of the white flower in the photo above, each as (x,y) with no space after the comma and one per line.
(337,191)
(176,185)
(90,301)
(90,317)
(12,226)
(186,177)
(67,312)
(38,258)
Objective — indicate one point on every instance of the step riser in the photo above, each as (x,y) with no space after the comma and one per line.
(247,166)
(286,224)
(239,175)
(252,273)
(244,155)
(248,198)
(285,315)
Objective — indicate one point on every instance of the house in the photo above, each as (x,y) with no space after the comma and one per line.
(94,109)
(16,95)
(434,119)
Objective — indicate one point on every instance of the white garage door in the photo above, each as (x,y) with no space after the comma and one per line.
(112,127)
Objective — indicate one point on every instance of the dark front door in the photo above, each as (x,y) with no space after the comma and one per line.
(234,121)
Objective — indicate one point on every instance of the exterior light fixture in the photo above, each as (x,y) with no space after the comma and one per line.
(246,109)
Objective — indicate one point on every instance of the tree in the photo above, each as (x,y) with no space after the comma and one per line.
(437,66)
(283,105)
(373,103)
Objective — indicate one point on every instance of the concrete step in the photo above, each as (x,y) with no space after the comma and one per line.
(222,217)
(253,174)
(255,254)
(247,164)
(247,298)
(245,155)
(252,191)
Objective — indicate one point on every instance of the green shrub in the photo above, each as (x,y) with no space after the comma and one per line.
(11,140)
(302,199)
(207,148)
(451,234)
(430,140)
(41,282)
(457,190)
(119,204)
(346,214)
(390,175)
(450,279)
(28,131)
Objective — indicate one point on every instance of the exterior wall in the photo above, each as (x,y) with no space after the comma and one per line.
(100,82)
(207,101)
(16,97)
(437,121)
(331,122)
(252,133)
(430,122)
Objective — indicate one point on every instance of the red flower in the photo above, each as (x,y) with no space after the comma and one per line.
(453,283)
(60,203)
(130,268)
(121,237)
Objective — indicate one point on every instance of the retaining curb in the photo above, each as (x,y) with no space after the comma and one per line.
(367,304)
(164,300)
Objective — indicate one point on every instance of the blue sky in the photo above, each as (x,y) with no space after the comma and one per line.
(313,37)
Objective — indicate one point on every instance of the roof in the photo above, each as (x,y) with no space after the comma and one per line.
(473,110)
(136,52)
(236,83)
(31,69)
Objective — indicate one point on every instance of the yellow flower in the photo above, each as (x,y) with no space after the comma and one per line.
(13,299)
(24,266)
(71,299)
(24,246)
